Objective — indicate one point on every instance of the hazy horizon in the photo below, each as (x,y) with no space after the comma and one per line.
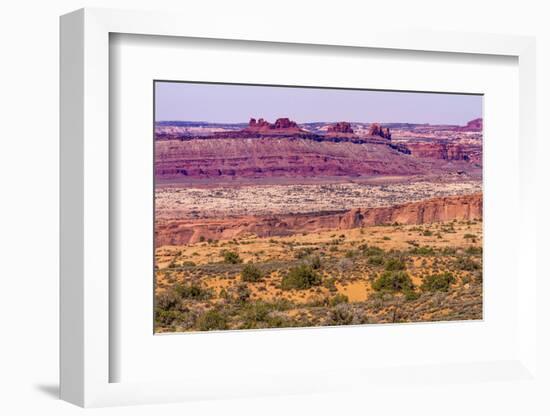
(232,103)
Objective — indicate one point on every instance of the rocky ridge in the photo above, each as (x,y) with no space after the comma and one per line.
(463,207)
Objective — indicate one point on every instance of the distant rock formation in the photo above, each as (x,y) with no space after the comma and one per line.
(261,124)
(438,150)
(340,127)
(460,207)
(473,125)
(281,125)
(376,130)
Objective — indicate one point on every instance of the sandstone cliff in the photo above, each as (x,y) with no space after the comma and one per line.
(438,150)
(463,207)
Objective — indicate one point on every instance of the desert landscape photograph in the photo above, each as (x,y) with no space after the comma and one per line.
(281,207)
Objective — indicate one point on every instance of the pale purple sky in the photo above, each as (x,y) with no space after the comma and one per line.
(237,103)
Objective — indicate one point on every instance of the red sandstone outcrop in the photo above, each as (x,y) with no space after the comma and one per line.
(376,130)
(281,126)
(259,125)
(438,150)
(462,207)
(340,127)
(473,125)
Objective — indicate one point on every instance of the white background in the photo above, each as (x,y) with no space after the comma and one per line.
(29,209)
(137,60)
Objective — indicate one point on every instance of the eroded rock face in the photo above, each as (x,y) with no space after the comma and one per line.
(280,124)
(438,150)
(473,125)
(280,156)
(261,124)
(462,207)
(376,130)
(340,127)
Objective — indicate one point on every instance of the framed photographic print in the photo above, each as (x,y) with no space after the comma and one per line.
(322,218)
(282,213)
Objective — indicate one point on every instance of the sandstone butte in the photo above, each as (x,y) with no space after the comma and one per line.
(341,130)
(340,127)
(281,126)
(179,232)
(376,130)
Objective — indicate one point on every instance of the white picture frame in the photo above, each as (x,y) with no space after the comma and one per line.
(85,211)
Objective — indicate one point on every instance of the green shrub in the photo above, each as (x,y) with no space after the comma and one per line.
(469,236)
(467,264)
(427,233)
(474,251)
(315,262)
(422,251)
(330,284)
(372,251)
(301,277)
(303,252)
(375,260)
(231,257)
(251,273)
(341,315)
(241,293)
(192,291)
(410,294)
(212,320)
(393,281)
(394,263)
(255,312)
(338,299)
(261,314)
(167,300)
(167,317)
(448,251)
(438,282)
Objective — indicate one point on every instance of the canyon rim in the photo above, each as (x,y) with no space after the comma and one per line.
(280,207)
